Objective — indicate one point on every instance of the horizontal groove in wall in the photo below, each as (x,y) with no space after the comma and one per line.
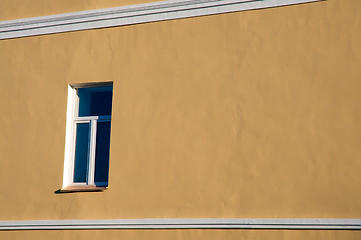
(183,223)
(133,14)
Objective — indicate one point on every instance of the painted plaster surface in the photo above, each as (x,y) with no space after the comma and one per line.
(244,115)
(183,234)
(15,9)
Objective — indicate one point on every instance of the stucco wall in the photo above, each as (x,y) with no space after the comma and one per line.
(183,234)
(245,115)
(15,9)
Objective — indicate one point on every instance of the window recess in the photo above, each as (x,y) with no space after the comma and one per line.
(86,165)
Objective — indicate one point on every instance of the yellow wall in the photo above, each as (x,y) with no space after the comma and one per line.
(15,9)
(253,114)
(183,234)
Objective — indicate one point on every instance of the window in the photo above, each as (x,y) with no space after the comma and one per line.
(87,145)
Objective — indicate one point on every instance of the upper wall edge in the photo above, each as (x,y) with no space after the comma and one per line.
(132,14)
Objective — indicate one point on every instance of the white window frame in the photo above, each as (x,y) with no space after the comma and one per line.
(72,120)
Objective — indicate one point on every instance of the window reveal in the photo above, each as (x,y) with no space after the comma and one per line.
(88,139)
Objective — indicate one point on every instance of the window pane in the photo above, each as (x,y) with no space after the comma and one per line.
(96,101)
(81,152)
(102,152)
(101,104)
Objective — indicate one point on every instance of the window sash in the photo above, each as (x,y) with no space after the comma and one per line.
(93,121)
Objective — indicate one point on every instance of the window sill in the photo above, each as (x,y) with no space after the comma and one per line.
(82,189)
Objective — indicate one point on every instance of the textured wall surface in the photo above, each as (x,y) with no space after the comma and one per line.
(15,9)
(183,234)
(253,114)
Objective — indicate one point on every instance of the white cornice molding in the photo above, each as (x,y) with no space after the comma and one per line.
(186,223)
(133,14)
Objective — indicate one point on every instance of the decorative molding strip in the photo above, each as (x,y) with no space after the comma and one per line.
(133,14)
(184,223)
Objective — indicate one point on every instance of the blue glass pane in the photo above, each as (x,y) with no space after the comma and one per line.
(102,152)
(96,101)
(81,152)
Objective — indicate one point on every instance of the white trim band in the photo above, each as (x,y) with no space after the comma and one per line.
(184,223)
(133,14)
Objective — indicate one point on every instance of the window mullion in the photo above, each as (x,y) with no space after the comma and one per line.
(91,162)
